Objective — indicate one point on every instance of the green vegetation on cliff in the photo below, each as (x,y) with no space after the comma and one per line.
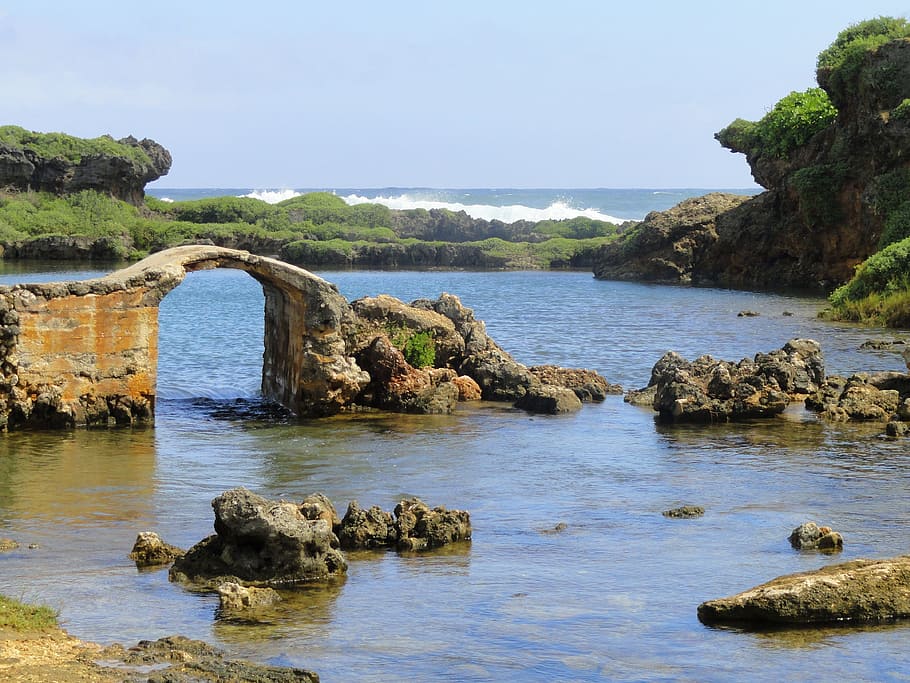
(73,149)
(315,229)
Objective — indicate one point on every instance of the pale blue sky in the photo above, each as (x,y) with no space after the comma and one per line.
(568,93)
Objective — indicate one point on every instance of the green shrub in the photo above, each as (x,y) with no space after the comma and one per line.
(902,111)
(420,350)
(739,136)
(793,121)
(73,149)
(858,38)
(884,273)
(222,210)
(840,63)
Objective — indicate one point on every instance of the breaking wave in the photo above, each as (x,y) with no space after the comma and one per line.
(556,211)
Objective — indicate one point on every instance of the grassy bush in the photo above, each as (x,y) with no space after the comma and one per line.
(739,136)
(20,616)
(840,63)
(902,111)
(793,121)
(221,210)
(883,274)
(51,145)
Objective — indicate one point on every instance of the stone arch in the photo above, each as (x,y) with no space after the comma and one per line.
(74,353)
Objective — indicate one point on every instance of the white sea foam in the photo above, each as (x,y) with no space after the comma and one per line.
(557,210)
(272,196)
(167,200)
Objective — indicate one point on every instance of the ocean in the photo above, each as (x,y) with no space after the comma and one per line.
(507,205)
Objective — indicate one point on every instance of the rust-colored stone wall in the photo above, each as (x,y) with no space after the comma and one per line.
(83,359)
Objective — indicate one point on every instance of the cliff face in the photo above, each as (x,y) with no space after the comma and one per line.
(124,176)
(826,200)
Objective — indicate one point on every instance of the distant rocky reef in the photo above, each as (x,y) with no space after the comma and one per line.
(835,162)
(59,163)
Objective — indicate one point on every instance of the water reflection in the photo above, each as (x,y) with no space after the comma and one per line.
(77,478)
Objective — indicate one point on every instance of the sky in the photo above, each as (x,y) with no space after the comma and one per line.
(468,94)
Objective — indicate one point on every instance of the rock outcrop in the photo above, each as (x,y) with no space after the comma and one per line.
(414,526)
(234,597)
(710,390)
(123,173)
(826,202)
(259,542)
(150,551)
(811,536)
(853,592)
(873,397)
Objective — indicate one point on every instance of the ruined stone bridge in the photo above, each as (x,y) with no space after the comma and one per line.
(86,352)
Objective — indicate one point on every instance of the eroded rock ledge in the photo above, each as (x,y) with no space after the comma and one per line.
(857,591)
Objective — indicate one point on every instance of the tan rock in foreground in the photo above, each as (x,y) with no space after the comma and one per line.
(857,591)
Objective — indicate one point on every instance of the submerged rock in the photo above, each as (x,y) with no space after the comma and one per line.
(587,384)
(177,659)
(546,398)
(366,529)
(861,397)
(259,542)
(150,551)
(235,597)
(422,528)
(857,591)
(811,536)
(685,512)
(415,526)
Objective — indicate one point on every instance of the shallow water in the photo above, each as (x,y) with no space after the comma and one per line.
(612,597)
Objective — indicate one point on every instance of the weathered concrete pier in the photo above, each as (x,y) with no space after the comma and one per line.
(86,352)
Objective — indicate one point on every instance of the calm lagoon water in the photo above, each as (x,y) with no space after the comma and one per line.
(613,597)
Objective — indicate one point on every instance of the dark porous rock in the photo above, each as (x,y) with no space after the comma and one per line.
(855,398)
(500,377)
(853,592)
(558,529)
(897,429)
(748,314)
(366,529)
(710,390)
(811,536)
(235,597)
(546,398)
(685,512)
(896,345)
(422,528)
(177,659)
(318,506)
(396,385)
(587,384)
(150,551)
(259,542)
